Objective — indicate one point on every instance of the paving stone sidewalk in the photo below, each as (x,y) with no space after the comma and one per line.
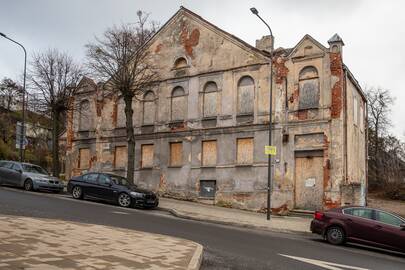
(235,217)
(28,243)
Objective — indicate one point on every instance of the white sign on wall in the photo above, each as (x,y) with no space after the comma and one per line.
(310,182)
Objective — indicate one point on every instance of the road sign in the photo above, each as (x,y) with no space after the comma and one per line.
(18,136)
(270,150)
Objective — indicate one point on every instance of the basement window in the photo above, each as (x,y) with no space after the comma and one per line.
(208,188)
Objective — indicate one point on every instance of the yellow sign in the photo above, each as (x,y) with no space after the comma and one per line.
(270,150)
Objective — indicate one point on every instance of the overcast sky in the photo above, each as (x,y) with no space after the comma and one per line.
(373,31)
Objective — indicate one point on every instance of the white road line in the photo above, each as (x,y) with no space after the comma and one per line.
(120,213)
(323,264)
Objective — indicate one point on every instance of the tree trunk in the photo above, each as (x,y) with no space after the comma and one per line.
(130,139)
(376,155)
(55,143)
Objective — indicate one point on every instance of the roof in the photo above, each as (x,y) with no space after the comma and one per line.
(336,38)
(355,82)
(198,17)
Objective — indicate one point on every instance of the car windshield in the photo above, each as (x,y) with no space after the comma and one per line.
(119,180)
(33,169)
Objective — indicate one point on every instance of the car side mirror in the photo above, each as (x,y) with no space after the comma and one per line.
(19,170)
(402,226)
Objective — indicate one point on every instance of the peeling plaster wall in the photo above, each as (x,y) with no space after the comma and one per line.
(214,56)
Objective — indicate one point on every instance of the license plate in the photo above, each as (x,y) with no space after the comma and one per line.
(150,201)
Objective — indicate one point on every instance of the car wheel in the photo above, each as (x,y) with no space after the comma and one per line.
(77,192)
(335,235)
(28,185)
(124,200)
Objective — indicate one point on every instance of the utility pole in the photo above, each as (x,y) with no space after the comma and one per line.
(269,169)
(22,137)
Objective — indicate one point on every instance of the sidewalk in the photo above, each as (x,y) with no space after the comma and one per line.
(235,217)
(41,244)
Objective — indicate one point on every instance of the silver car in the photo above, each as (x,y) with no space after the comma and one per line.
(28,176)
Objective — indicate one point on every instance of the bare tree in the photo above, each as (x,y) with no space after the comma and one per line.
(54,76)
(10,93)
(121,58)
(379,109)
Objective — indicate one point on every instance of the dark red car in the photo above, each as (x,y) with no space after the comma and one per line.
(361,225)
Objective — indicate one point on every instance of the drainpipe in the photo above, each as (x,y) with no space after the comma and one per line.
(345,123)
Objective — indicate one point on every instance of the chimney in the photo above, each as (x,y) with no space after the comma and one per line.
(264,43)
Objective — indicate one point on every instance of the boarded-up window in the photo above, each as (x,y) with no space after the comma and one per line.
(84,115)
(176,154)
(210,99)
(361,118)
(149,108)
(147,156)
(178,104)
(121,119)
(308,88)
(246,94)
(245,151)
(355,110)
(84,158)
(209,153)
(120,157)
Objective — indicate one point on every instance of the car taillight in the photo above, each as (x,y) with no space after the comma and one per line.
(318,215)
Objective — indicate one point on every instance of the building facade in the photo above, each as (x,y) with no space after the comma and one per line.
(201,131)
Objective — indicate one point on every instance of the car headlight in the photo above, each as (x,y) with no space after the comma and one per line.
(136,194)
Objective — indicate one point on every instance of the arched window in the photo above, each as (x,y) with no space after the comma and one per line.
(149,108)
(210,99)
(308,88)
(84,115)
(178,104)
(246,95)
(180,62)
(121,119)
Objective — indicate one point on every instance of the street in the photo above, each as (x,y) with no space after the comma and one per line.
(225,247)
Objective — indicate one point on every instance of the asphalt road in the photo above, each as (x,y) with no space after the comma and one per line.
(225,247)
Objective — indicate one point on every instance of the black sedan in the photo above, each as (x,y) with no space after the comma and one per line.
(111,188)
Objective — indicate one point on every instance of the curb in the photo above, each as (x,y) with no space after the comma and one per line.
(234,224)
(196,260)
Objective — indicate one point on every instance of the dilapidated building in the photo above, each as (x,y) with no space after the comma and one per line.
(201,132)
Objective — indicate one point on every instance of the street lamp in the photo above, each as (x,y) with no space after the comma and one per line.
(23,101)
(269,174)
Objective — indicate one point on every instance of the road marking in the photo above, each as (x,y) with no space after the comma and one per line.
(120,213)
(323,264)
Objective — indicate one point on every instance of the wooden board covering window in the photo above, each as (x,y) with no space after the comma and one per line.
(120,157)
(245,151)
(176,154)
(209,153)
(84,158)
(147,156)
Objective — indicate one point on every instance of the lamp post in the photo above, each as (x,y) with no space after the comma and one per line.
(269,169)
(23,101)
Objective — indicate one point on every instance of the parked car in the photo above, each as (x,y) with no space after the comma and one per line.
(111,188)
(361,225)
(28,176)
